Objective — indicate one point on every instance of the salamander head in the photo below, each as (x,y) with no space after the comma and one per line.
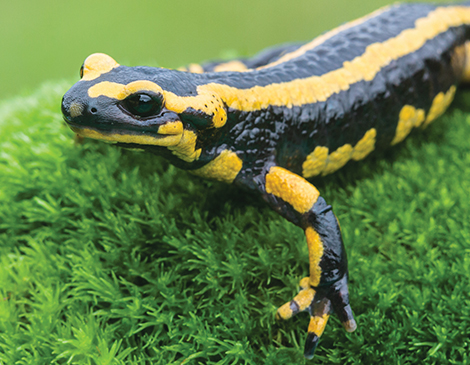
(141,107)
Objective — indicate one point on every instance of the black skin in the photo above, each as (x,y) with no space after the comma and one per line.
(284,137)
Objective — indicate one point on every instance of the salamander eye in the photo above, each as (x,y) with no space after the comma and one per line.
(143,105)
(81,71)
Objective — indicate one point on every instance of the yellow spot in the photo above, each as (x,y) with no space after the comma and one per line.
(225,167)
(315,162)
(458,60)
(175,127)
(439,105)
(409,118)
(338,159)
(315,253)
(186,148)
(96,65)
(165,141)
(319,162)
(365,145)
(291,188)
(231,66)
(466,72)
(195,68)
(76,109)
(317,324)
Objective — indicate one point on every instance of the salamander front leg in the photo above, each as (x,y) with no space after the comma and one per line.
(326,289)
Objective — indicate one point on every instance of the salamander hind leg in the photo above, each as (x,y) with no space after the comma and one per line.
(325,290)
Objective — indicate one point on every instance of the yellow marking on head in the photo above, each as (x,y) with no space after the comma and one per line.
(323,38)
(320,162)
(317,324)
(365,145)
(165,141)
(206,100)
(75,109)
(120,91)
(291,188)
(409,118)
(466,72)
(439,105)
(231,66)
(96,65)
(225,167)
(315,253)
(186,148)
(175,127)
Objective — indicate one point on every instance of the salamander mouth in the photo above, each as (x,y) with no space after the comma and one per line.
(134,137)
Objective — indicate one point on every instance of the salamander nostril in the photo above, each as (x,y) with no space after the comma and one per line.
(93,110)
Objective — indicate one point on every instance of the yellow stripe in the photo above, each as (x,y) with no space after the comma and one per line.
(362,68)
(311,89)
(323,38)
(291,188)
(169,140)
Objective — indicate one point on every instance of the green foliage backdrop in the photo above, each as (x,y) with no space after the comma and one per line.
(110,256)
(49,39)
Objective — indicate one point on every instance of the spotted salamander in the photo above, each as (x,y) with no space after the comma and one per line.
(288,114)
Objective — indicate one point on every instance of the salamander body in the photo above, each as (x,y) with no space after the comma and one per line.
(290,113)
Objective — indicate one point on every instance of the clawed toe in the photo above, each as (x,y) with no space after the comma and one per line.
(320,303)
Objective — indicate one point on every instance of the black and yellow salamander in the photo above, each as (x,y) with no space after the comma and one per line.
(292,112)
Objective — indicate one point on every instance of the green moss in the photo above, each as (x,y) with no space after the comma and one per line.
(110,256)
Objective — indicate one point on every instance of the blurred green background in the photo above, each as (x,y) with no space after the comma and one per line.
(49,39)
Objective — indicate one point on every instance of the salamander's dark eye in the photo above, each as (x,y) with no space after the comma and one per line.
(143,105)
(81,71)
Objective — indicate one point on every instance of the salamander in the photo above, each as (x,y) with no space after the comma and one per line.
(269,123)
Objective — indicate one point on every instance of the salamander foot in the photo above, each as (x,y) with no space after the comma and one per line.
(320,302)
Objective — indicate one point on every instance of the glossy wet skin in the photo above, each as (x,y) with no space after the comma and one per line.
(353,90)
(140,116)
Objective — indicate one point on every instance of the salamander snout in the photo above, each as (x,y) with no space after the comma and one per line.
(74,109)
